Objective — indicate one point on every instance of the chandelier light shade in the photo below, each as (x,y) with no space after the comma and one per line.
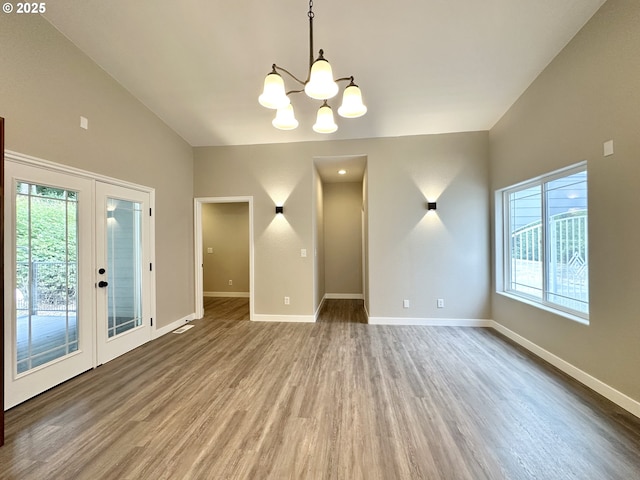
(273,95)
(352,106)
(324,121)
(285,118)
(319,85)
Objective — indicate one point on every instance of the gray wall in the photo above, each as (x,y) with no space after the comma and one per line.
(412,255)
(46,84)
(423,257)
(273,175)
(225,229)
(365,207)
(589,94)
(343,237)
(319,253)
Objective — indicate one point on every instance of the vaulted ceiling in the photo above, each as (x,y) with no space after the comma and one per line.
(424,66)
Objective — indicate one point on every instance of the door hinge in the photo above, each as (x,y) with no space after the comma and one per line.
(149,212)
(151,267)
(152,322)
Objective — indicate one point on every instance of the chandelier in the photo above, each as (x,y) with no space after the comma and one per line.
(319,85)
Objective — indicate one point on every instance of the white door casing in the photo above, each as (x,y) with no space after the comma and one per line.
(91,190)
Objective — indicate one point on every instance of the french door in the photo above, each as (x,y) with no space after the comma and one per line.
(123,270)
(78,264)
(49,316)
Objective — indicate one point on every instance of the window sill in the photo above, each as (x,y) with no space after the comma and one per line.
(546,308)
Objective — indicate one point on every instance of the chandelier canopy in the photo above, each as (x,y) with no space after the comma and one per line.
(319,85)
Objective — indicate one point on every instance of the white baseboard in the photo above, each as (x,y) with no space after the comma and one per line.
(344,296)
(226,294)
(284,318)
(317,314)
(337,296)
(619,398)
(431,322)
(158,332)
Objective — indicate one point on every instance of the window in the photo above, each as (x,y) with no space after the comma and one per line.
(546,241)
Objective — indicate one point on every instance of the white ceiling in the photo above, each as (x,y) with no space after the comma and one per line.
(353,166)
(424,66)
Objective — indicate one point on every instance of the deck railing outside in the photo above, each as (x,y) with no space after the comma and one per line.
(46,287)
(567,272)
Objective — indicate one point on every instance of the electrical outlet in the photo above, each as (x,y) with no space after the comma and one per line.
(230,282)
(405,304)
(287,300)
(441,303)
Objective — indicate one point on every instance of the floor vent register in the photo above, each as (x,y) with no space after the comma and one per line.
(183,329)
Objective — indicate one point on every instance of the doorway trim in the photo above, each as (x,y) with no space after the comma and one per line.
(199,261)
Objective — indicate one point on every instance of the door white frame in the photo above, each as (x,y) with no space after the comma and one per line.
(109,348)
(94,177)
(22,386)
(199,290)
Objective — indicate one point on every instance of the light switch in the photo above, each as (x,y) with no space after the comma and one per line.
(303,252)
(608,148)
(209,250)
(84,123)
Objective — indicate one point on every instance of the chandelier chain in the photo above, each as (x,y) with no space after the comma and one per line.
(310,15)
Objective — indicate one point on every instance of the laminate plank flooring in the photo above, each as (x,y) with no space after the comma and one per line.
(338,399)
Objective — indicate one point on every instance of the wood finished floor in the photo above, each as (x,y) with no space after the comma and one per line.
(338,399)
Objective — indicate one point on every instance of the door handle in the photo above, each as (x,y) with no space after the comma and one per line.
(102,284)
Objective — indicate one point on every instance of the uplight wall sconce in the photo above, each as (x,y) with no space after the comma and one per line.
(279,210)
(431,206)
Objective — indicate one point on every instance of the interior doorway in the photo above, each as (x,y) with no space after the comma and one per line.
(210,253)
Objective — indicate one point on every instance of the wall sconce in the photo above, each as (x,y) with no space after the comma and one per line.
(431,206)
(279,209)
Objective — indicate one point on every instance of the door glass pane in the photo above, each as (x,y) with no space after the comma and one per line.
(124,265)
(46,274)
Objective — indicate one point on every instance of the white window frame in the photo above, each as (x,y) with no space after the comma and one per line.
(503,244)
